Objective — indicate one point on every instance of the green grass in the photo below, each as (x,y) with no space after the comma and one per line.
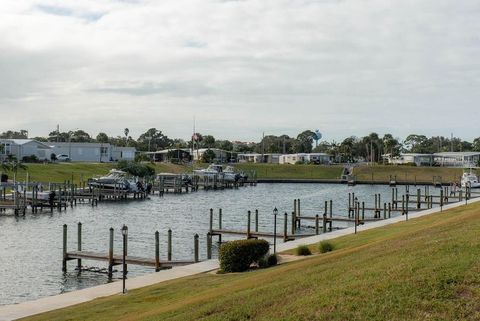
(59,172)
(423,269)
(287,171)
(407,173)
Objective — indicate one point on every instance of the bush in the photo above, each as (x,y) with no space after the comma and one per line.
(237,256)
(272,260)
(135,169)
(30,159)
(267,261)
(325,247)
(303,250)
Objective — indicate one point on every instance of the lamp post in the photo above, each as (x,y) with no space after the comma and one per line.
(275,212)
(124,234)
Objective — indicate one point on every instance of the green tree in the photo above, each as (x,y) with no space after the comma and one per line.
(305,142)
(208,156)
(102,138)
(10,134)
(476,144)
(154,139)
(208,141)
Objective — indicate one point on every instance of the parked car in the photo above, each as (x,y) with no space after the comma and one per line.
(63,158)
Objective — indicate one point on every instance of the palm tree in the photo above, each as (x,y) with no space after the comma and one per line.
(126,131)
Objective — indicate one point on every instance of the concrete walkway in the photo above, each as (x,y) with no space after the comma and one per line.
(16,311)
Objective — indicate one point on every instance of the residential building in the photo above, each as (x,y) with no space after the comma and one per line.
(20,148)
(93,152)
(457,159)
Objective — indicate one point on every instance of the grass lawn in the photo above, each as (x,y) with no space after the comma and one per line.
(287,171)
(407,173)
(423,269)
(59,172)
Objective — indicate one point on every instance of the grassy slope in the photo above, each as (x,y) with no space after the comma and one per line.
(63,171)
(424,269)
(272,171)
(407,173)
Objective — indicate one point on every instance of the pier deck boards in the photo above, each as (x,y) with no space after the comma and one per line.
(118,259)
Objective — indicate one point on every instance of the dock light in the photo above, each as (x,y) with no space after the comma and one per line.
(275,212)
(124,234)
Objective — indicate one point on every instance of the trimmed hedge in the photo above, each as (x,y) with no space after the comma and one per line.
(237,256)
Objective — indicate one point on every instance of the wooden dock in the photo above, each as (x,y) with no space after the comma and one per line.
(113,259)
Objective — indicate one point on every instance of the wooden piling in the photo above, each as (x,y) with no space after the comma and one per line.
(256,220)
(316,224)
(195,247)
(110,255)
(169,245)
(285,227)
(157,251)
(209,246)
(79,245)
(249,214)
(64,261)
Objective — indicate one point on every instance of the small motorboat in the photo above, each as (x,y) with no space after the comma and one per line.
(116,179)
(215,170)
(469,179)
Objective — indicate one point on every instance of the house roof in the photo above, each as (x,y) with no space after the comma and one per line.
(454,154)
(25,141)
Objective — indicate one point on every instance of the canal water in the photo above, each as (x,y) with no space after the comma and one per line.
(31,246)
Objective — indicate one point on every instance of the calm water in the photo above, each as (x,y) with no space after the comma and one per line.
(31,246)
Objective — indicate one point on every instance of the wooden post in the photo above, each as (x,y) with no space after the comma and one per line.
(219,225)
(363,209)
(169,245)
(295,206)
(157,251)
(110,255)
(298,207)
(195,247)
(441,198)
(79,246)
(403,204)
(316,224)
(389,210)
(64,261)
(209,246)
(293,223)
(285,227)
(211,220)
(418,198)
(384,210)
(324,223)
(256,220)
(249,214)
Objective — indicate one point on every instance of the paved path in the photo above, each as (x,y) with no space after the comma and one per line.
(16,311)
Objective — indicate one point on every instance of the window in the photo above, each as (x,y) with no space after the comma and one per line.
(104,151)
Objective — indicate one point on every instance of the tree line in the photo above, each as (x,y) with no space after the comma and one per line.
(370,147)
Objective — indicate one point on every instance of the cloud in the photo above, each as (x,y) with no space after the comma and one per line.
(242,67)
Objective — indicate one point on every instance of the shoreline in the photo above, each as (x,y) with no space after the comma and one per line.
(29,308)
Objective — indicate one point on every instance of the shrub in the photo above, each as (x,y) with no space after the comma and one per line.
(272,260)
(303,250)
(325,247)
(263,262)
(267,261)
(135,169)
(30,159)
(237,256)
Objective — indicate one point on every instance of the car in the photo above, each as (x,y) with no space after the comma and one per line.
(63,158)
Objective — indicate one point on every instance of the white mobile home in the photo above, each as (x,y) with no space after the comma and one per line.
(457,159)
(123,153)
(20,148)
(410,158)
(84,152)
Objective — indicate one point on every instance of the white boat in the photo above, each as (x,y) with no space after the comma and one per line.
(470,179)
(116,179)
(215,170)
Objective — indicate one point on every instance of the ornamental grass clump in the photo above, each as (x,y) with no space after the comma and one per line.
(303,250)
(237,256)
(325,246)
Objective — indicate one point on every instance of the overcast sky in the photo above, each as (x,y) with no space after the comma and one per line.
(241,67)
